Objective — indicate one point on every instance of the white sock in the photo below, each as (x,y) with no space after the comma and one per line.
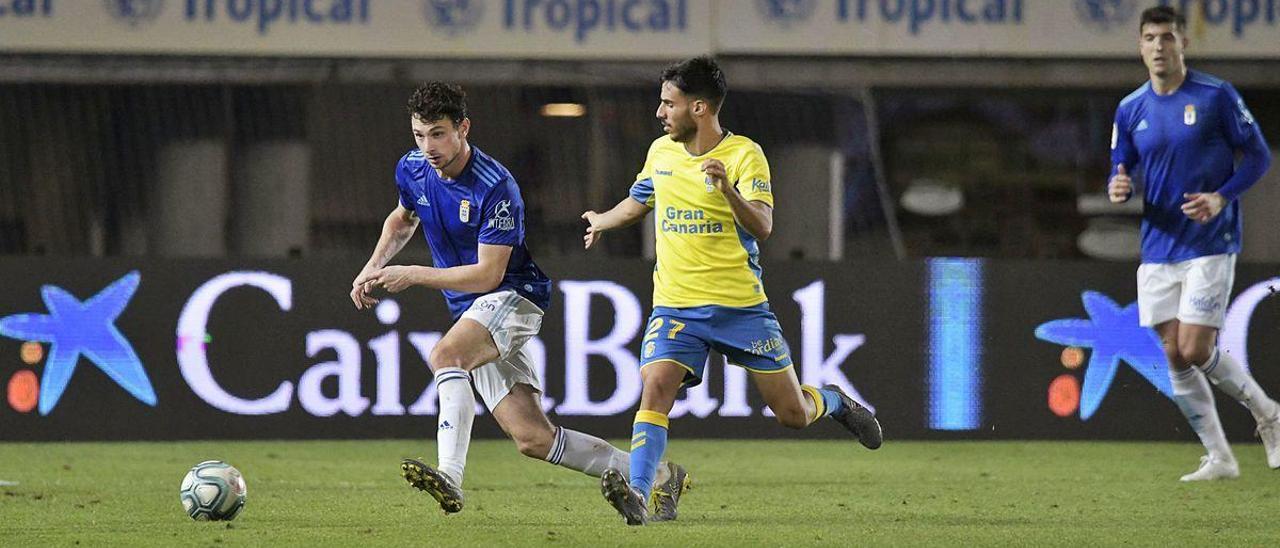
(1228,375)
(457,412)
(1194,397)
(587,454)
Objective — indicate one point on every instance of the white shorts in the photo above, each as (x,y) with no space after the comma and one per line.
(1194,291)
(512,320)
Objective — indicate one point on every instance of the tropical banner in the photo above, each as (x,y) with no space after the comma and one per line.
(624,29)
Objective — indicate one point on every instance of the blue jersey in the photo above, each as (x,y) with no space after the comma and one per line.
(481,206)
(1186,142)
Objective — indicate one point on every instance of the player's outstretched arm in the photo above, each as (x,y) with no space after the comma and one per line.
(627,212)
(482,277)
(397,229)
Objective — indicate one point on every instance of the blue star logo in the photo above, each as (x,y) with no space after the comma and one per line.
(74,328)
(1114,335)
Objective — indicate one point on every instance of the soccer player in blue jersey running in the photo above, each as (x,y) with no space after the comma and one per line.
(713,196)
(473,218)
(1179,134)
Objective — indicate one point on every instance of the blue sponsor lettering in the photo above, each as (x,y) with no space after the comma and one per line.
(917,13)
(685,214)
(1240,14)
(583,17)
(696,222)
(264,13)
(26,8)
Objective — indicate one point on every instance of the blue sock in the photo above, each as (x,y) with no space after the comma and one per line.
(829,402)
(648,442)
(832,400)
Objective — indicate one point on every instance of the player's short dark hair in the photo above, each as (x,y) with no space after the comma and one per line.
(698,77)
(1161,15)
(435,101)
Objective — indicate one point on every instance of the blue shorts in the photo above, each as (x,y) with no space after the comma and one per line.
(749,338)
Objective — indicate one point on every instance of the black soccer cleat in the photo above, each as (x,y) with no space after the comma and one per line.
(426,478)
(626,501)
(666,496)
(858,419)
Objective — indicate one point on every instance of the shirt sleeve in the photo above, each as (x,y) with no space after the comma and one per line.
(1244,135)
(1238,122)
(753,177)
(402,185)
(642,189)
(1122,149)
(502,215)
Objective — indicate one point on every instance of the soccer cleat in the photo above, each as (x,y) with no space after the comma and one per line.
(623,498)
(439,486)
(666,496)
(858,419)
(1269,431)
(1214,468)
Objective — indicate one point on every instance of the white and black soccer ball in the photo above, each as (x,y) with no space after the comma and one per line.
(213,490)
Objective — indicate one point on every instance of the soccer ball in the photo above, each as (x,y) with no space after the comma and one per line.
(212,490)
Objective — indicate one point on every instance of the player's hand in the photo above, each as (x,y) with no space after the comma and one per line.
(594,232)
(394,279)
(1202,207)
(1120,187)
(360,292)
(716,174)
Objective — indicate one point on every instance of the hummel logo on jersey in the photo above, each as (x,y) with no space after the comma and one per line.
(1141,126)
(423,201)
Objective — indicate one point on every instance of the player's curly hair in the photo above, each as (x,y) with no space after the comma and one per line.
(698,77)
(434,101)
(1160,15)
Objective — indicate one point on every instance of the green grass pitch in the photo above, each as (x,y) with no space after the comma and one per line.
(746,493)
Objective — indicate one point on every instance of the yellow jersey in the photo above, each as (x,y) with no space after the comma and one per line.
(704,257)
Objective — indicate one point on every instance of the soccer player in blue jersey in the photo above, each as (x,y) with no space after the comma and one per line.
(713,196)
(473,218)
(1179,134)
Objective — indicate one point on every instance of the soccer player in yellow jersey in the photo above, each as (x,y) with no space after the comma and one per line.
(713,201)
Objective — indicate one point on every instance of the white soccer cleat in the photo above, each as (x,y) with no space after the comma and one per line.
(1269,431)
(1214,468)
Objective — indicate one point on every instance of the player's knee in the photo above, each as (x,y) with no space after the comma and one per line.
(443,356)
(662,385)
(1191,352)
(792,417)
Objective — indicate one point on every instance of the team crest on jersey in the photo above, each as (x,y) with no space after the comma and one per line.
(464,211)
(649,349)
(1189,115)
